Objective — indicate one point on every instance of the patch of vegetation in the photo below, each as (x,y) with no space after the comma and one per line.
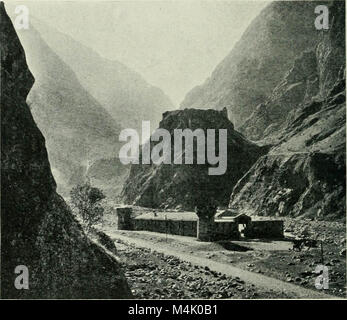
(86,201)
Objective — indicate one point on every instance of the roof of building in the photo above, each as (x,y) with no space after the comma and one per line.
(169,215)
(192,216)
(226,214)
(223,216)
(242,215)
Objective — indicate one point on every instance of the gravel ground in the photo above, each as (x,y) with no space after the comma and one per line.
(152,275)
(274,259)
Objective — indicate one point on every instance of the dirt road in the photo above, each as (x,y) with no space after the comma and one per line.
(259,280)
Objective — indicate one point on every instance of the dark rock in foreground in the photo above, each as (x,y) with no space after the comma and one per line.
(37,227)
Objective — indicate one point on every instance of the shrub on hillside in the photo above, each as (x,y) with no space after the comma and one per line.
(86,200)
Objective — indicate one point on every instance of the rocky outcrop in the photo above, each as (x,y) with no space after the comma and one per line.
(185,186)
(309,185)
(299,85)
(304,172)
(312,75)
(259,61)
(38,229)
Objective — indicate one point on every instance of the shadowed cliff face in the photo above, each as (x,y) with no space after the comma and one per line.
(185,186)
(37,228)
(304,172)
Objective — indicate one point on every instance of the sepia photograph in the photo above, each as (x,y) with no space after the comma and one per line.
(173,150)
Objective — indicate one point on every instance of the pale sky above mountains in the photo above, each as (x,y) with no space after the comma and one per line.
(175,45)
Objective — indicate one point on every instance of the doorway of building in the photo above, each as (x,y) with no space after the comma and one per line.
(241,228)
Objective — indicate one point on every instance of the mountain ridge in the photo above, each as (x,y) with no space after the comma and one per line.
(183,186)
(77,128)
(123,92)
(257,62)
(304,173)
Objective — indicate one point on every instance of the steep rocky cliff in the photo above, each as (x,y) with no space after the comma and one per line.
(304,172)
(37,228)
(259,61)
(299,85)
(76,127)
(183,186)
(123,92)
(312,75)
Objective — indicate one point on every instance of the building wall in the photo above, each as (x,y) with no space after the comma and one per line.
(206,229)
(226,230)
(265,229)
(179,227)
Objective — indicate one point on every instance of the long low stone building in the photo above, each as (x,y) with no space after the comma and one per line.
(223,226)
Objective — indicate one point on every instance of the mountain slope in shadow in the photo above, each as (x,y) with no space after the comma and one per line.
(38,229)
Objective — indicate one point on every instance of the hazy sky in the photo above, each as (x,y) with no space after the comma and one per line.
(175,45)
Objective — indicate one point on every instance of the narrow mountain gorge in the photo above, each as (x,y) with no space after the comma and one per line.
(78,130)
(259,60)
(81,101)
(38,229)
(304,172)
(284,85)
(279,97)
(183,186)
(121,91)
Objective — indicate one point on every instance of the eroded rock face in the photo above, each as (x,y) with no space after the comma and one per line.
(299,85)
(311,77)
(259,61)
(311,185)
(304,172)
(37,228)
(185,186)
